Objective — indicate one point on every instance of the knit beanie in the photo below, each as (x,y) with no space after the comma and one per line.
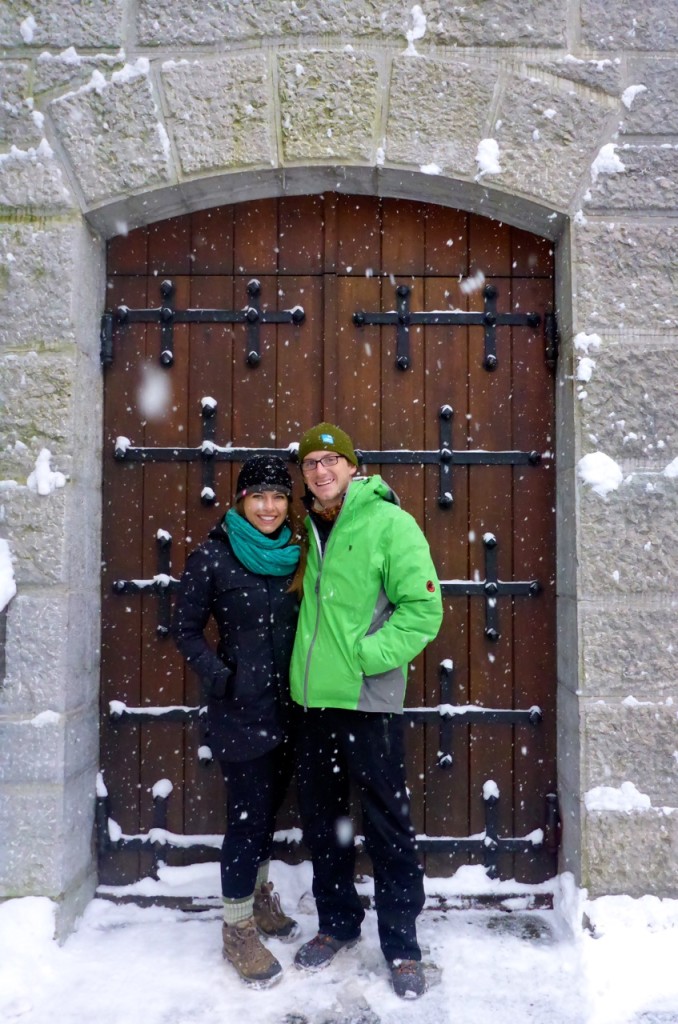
(263,473)
(325,437)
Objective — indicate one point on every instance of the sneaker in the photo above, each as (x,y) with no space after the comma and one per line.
(320,951)
(408,978)
(269,916)
(246,952)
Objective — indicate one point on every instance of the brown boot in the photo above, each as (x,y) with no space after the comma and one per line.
(245,951)
(269,916)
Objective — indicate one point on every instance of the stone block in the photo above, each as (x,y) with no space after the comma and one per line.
(623,274)
(545,137)
(627,542)
(36,528)
(634,853)
(478,22)
(220,112)
(38,278)
(633,742)
(36,657)
(45,836)
(456,96)
(36,399)
(18,126)
(648,181)
(498,23)
(31,834)
(113,134)
(62,23)
(628,409)
(32,179)
(654,110)
(629,650)
(52,650)
(627,25)
(49,747)
(329,103)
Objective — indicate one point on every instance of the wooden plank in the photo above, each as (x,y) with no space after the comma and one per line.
(169,247)
(122,514)
(255,237)
(402,237)
(489,247)
(301,238)
(358,363)
(211,234)
(162,668)
(490,664)
(534,547)
(358,235)
(446,383)
(447,251)
(127,254)
(531,256)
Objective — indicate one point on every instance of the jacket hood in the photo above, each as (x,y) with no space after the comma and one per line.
(369,488)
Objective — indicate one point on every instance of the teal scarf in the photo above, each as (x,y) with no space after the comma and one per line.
(268,556)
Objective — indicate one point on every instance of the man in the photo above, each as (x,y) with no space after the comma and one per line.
(371,604)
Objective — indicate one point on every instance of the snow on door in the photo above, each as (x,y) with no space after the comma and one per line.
(427,334)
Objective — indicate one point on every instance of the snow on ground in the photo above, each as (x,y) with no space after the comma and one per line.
(511,965)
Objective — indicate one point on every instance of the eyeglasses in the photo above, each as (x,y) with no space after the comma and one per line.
(308,465)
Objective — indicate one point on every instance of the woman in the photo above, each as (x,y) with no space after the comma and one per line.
(241,575)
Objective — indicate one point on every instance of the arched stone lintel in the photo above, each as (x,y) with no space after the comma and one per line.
(199,194)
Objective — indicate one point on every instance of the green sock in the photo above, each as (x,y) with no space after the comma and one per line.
(262,875)
(238,910)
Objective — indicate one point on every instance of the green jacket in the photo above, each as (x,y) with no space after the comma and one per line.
(370,605)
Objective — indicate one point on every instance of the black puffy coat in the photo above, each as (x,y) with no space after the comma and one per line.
(246,680)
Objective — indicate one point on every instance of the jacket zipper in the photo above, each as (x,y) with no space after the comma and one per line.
(321,557)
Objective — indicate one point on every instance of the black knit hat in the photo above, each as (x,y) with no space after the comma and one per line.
(263,473)
(328,438)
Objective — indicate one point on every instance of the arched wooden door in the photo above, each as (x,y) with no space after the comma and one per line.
(427,334)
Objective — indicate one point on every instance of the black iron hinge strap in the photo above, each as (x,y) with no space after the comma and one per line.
(166,315)
(402,318)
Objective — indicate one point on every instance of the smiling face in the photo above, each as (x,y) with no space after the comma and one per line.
(266,510)
(328,483)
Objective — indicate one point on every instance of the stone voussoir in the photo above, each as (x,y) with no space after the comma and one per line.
(456,96)
(113,133)
(545,136)
(220,111)
(329,104)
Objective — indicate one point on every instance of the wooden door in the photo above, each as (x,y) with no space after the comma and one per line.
(425,333)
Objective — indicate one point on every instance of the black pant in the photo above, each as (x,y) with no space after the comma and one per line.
(337,747)
(255,791)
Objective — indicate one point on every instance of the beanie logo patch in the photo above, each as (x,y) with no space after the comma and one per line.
(430,586)
(327,438)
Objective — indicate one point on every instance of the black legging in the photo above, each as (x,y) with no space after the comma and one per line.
(255,791)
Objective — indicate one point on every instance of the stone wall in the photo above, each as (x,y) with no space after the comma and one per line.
(117,113)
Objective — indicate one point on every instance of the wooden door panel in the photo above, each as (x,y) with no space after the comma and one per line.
(335,255)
